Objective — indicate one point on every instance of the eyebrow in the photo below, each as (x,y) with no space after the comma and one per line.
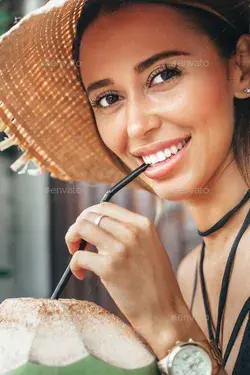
(141,67)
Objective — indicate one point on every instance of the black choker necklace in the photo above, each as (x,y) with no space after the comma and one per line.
(225,218)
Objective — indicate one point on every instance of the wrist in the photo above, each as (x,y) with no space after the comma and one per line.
(162,333)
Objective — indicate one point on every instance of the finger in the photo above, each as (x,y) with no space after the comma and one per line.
(93,234)
(113,210)
(119,230)
(81,274)
(73,240)
(84,260)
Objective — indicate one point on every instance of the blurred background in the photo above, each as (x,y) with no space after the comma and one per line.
(36,213)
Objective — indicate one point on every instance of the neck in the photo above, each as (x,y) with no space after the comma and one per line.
(223,192)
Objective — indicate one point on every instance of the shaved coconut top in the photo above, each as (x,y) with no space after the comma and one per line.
(61,332)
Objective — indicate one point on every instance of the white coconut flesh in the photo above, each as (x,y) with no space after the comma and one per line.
(62,332)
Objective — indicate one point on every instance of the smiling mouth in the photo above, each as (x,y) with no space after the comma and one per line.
(165,154)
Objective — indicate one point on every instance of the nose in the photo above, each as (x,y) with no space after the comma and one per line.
(141,119)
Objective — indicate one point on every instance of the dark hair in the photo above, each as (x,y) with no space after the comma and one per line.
(223,35)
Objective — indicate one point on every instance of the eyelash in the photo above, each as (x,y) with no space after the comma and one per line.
(165,68)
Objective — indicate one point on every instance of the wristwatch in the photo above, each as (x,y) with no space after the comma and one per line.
(190,358)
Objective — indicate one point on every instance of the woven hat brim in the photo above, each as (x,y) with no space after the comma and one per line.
(43,107)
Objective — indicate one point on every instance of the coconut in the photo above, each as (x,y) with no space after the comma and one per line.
(69,337)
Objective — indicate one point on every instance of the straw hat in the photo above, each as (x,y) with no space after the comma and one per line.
(43,107)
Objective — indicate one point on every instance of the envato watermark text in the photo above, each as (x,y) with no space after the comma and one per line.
(66,190)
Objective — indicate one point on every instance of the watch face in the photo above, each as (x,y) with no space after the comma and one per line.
(190,360)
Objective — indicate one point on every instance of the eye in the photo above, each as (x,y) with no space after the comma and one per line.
(105,100)
(108,100)
(164,74)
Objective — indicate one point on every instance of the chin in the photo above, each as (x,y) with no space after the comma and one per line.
(177,190)
(171,195)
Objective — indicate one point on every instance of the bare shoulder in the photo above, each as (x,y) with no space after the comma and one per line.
(186,273)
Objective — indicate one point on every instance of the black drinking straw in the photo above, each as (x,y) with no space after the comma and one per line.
(108,195)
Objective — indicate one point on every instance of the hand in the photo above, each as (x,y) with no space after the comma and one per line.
(131,263)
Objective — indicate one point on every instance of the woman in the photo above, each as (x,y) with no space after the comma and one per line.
(169,84)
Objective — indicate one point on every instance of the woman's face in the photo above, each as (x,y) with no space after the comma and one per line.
(144,106)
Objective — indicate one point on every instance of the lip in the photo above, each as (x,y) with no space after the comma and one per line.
(166,167)
(157,146)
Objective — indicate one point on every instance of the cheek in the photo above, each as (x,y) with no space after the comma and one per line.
(207,105)
(208,93)
(213,124)
(215,117)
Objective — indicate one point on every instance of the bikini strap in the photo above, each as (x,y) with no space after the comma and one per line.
(242,315)
(227,275)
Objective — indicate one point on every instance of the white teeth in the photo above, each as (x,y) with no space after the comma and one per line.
(165,154)
(161,155)
(174,150)
(179,146)
(154,159)
(147,159)
(168,153)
